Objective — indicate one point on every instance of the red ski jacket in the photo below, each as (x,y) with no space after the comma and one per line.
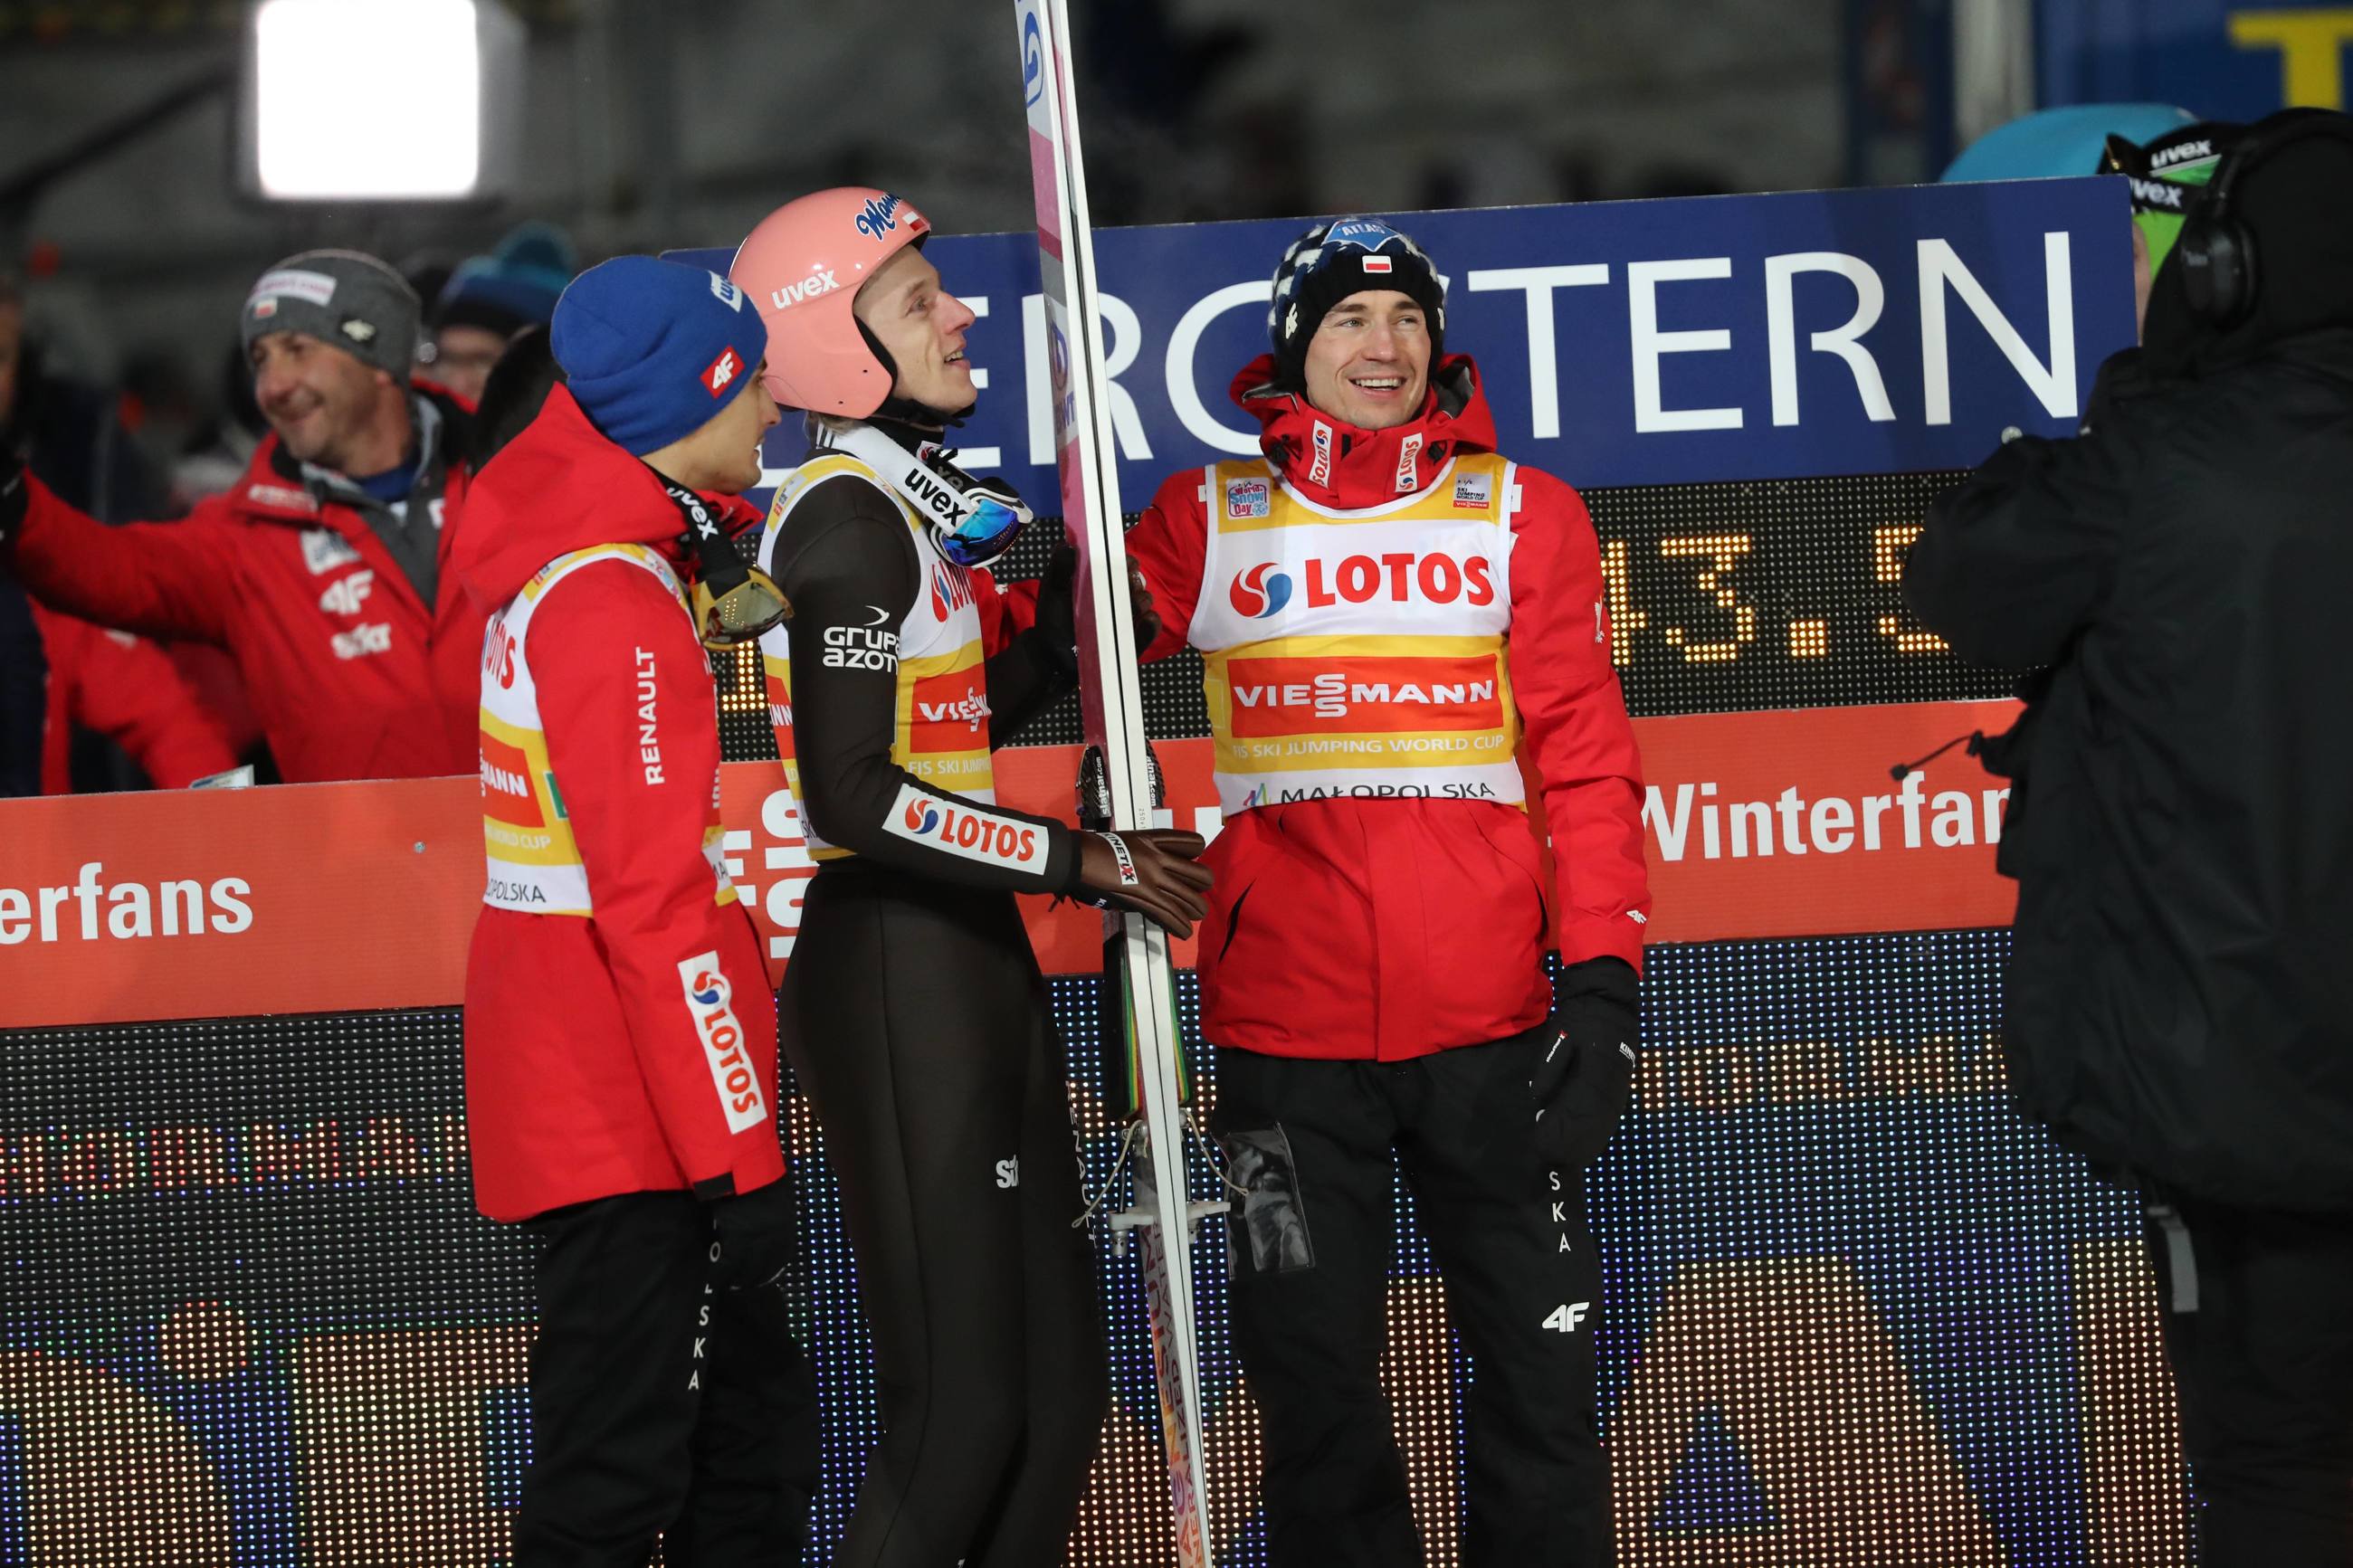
(1385,929)
(352,675)
(130,691)
(600,1046)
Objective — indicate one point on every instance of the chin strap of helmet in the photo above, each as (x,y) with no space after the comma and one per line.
(906,410)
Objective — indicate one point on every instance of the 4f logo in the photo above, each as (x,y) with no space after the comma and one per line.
(345,595)
(723,372)
(1566,1317)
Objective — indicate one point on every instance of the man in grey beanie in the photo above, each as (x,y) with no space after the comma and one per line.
(320,570)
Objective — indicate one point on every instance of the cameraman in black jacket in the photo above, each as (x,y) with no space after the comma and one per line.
(2179,1006)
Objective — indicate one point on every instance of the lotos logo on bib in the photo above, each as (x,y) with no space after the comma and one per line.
(966,831)
(1249,497)
(1260,591)
(1395,578)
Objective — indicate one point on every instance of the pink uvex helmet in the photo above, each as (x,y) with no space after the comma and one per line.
(803,266)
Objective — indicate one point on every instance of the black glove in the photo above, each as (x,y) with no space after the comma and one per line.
(755,1234)
(1057,621)
(14,497)
(1586,1074)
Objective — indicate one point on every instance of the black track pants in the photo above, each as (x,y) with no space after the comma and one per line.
(659,1404)
(917,1024)
(2258,1313)
(1310,1253)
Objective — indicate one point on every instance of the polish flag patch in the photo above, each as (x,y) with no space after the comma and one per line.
(1377,264)
(723,372)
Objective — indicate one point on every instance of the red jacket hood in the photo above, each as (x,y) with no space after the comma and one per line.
(1366,468)
(559,486)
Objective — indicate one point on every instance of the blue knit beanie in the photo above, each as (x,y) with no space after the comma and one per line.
(651,350)
(514,286)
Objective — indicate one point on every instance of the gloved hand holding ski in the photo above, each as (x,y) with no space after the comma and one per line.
(1155,871)
(1058,612)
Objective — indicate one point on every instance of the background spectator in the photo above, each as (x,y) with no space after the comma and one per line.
(319,571)
(488,298)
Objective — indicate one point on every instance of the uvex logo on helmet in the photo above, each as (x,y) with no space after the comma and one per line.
(1260,591)
(820,282)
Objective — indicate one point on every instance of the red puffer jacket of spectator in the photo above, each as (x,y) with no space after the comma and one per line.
(128,690)
(352,674)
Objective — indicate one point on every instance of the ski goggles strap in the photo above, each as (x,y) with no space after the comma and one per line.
(972,521)
(734,601)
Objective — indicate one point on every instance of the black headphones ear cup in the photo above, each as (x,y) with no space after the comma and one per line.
(2218,275)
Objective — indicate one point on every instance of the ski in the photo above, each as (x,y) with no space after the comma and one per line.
(1140,979)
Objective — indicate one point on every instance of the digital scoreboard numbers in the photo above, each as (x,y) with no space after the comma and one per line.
(1781,594)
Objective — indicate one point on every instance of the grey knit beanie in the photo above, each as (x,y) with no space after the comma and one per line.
(340,297)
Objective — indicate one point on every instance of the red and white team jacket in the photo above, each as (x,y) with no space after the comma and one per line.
(352,675)
(620,1035)
(127,689)
(1392,623)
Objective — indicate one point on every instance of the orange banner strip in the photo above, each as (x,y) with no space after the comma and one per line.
(343,898)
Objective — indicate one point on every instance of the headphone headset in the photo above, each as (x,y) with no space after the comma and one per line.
(2219,276)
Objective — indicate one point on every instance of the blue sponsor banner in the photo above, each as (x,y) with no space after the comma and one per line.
(1621,342)
(2216,59)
